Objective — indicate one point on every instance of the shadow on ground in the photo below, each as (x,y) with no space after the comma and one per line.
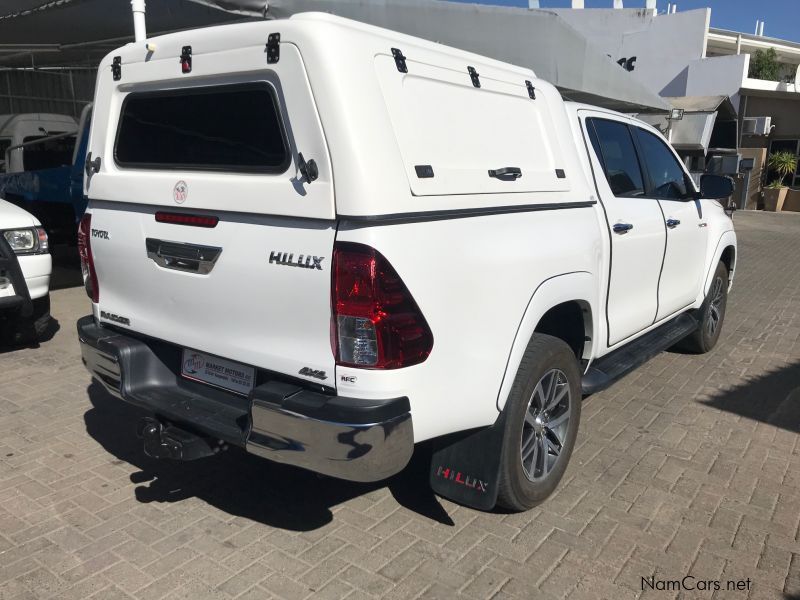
(773,398)
(53,326)
(244,485)
(66,268)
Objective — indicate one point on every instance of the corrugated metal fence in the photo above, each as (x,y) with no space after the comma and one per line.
(62,91)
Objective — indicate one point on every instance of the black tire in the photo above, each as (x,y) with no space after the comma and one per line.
(41,316)
(711,316)
(546,360)
(17,330)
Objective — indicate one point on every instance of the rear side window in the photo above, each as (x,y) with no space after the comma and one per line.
(614,147)
(228,128)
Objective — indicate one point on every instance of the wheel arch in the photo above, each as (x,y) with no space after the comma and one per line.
(725,251)
(728,256)
(562,306)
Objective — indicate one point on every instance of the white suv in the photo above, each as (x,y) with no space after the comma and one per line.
(325,242)
(25,267)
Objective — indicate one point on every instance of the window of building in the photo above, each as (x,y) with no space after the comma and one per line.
(614,147)
(227,128)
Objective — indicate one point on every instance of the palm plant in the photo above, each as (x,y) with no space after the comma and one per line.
(782,163)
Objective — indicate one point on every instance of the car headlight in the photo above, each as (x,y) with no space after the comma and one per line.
(27,241)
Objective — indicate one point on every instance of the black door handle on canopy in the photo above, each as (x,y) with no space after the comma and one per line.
(506,173)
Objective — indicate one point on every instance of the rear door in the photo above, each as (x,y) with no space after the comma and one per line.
(204,232)
(636,227)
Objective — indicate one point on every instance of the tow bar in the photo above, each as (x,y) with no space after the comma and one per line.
(167,441)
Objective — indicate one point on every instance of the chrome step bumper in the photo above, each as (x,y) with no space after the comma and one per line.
(349,438)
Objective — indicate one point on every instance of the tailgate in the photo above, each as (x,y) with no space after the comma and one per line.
(216,290)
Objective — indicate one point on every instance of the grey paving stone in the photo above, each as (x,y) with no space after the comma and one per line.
(691,465)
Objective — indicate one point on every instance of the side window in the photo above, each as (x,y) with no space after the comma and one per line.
(664,169)
(614,146)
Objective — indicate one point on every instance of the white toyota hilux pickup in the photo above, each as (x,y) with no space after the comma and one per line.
(325,242)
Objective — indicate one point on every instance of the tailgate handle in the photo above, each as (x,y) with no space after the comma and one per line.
(181,256)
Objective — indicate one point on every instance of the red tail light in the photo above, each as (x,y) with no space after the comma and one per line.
(87,261)
(377,323)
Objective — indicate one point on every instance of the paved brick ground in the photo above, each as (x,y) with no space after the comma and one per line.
(690,466)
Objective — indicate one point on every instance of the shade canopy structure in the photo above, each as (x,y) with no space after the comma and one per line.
(709,124)
(80,32)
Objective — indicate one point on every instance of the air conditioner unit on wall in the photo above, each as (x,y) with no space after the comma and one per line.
(756,125)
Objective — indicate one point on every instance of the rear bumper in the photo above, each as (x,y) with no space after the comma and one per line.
(350,438)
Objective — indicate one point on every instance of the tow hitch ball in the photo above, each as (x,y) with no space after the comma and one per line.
(167,441)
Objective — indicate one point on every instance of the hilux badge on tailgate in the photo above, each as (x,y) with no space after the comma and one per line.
(303,261)
(180,192)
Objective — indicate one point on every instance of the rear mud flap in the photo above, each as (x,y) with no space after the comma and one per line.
(465,467)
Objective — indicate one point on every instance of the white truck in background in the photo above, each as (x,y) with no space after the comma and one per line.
(327,257)
(25,268)
(17,130)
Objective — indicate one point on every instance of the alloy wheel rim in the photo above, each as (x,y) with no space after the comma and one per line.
(715,307)
(544,430)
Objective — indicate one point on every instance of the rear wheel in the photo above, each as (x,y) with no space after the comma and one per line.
(711,313)
(543,414)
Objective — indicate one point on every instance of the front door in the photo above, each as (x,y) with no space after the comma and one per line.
(684,259)
(636,226)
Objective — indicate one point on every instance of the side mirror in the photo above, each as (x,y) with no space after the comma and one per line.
(715,187)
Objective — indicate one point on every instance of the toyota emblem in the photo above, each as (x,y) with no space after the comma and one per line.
(180,192)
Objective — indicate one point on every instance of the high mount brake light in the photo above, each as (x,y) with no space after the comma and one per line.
(87,260)
(186,219)
(376,322)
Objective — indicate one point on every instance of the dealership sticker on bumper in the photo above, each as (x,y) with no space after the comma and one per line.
(216,371)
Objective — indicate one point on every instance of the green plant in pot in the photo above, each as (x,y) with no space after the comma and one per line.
(782,163)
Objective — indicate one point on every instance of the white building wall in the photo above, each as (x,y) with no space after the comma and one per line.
(662,44)
(717,75)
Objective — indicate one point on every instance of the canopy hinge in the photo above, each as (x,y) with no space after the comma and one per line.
(399,60)
(273,48)
(116,68)
(473,74)
(531,89)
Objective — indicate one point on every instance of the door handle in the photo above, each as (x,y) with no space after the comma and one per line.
(622,227)
(181,256)
(506,173)
(673,223)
